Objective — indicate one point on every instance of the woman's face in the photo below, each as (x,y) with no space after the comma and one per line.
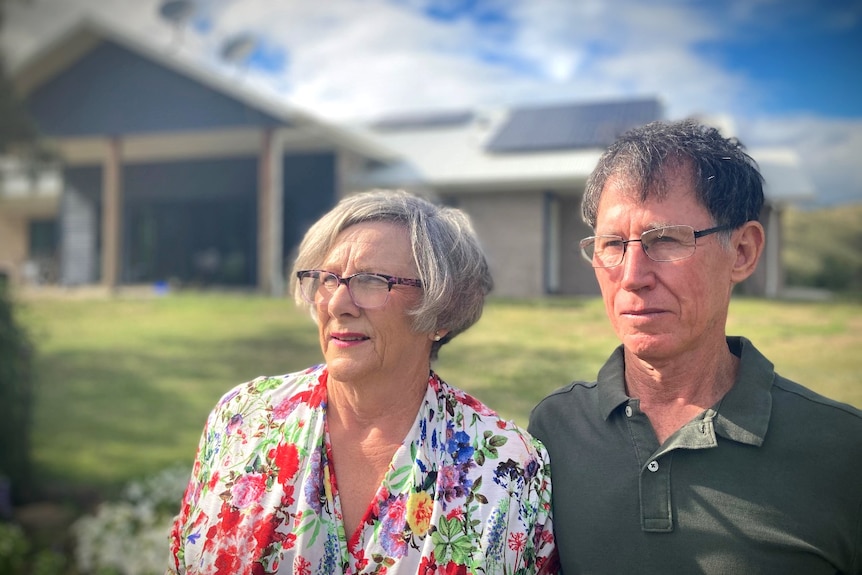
(363,345)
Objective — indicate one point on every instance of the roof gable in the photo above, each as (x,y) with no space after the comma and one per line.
(112,90)
(83,84)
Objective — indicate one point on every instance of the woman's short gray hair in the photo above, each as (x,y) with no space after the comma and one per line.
(448,257)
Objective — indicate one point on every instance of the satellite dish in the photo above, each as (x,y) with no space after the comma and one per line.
(237,49)
(176,11)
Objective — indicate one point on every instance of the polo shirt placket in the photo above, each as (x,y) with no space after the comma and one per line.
(655,462)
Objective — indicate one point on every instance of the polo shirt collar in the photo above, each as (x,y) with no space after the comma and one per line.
(611,384)
(743,413)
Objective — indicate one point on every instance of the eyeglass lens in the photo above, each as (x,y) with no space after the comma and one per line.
(366,290)
(665,244)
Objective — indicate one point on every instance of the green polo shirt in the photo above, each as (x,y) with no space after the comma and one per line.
(767,481)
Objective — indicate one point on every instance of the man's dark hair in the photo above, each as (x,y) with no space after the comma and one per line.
(726,179)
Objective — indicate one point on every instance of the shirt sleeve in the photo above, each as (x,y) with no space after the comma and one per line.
(180,528)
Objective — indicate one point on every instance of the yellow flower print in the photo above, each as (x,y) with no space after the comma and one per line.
(419,509)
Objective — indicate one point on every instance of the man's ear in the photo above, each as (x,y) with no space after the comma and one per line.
(748,242)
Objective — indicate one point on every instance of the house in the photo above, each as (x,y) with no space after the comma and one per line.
(521,173)
(174,174)
(169,173)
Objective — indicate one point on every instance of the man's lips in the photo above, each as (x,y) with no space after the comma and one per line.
(642,312)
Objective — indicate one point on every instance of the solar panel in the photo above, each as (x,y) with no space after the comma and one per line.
(428,120)
(571,126)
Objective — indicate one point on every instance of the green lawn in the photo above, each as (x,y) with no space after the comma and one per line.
(124,384)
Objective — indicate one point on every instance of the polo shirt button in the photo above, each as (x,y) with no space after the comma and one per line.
(652,466)
(628,411)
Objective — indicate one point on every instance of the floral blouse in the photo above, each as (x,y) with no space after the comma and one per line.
(466,492)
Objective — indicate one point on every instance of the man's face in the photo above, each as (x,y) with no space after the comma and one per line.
(660,310)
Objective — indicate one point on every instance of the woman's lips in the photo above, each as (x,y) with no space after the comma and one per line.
(348,338)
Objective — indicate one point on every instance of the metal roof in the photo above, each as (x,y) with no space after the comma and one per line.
(571,126)
(427,120)
(454,155)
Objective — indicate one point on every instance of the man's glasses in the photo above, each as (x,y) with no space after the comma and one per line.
(367,290)
(666,244)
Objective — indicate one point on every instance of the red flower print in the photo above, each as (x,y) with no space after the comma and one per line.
(301,566)
(248,489)
(287,461)
(453,568)
(227,562)
(457,513)
(264,531)
(477,405)
(428,566)
(318,392)
(517,541)
(229,517)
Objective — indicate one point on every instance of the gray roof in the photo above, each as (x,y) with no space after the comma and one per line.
(571,126)
(524,148)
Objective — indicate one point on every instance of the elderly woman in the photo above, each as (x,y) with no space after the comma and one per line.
(370,463)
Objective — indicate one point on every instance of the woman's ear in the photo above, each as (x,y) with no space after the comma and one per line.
(748,242)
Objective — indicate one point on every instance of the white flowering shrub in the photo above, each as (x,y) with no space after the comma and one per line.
(130,536)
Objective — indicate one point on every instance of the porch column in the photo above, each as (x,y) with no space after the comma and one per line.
(270,267)
(112,213)
(772,253)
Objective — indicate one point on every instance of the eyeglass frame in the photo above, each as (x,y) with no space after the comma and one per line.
(390,280)
(697,234)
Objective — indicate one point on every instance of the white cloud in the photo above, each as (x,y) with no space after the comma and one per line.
(347,59)
(828,149)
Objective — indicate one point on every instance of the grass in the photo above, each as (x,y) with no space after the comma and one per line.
(125,384)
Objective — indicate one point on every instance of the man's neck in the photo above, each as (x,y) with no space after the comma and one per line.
(673,393)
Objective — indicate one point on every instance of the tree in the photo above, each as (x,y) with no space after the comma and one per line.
(18,132)
(18,136)
(16,401)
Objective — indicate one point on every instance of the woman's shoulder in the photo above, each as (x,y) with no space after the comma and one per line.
(274,390)
(477,419)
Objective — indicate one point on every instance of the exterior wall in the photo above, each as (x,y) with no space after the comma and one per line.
(510,227)
(576,275)
(310,189)
(112,90)
(768,279)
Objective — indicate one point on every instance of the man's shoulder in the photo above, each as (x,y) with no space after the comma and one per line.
(571,391)
(791,395)
(566,399)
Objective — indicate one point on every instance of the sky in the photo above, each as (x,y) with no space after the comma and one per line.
(785,72)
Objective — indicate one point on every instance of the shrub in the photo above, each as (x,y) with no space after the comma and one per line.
(130,536)
(823,248)
(16,402)
(18,558)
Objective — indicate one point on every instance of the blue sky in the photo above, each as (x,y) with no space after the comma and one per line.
(803,56)
(786,72)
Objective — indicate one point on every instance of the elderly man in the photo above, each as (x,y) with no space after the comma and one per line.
(689,454)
